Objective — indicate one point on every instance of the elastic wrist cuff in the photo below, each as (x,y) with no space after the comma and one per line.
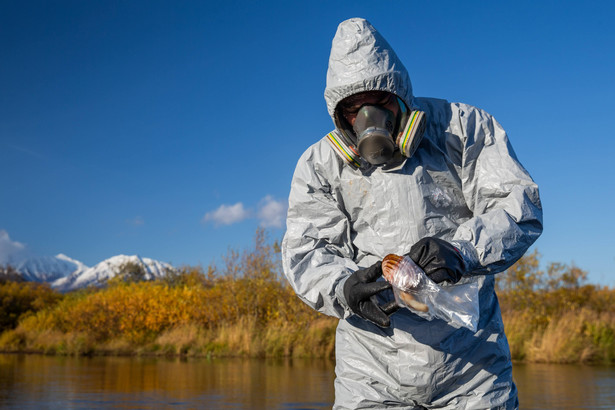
(469,255)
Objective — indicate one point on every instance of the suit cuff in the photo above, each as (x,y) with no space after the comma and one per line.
(469,255)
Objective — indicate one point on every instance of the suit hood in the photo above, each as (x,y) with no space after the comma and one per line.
(362,60)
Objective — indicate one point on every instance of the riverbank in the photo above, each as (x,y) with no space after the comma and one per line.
(248,310)
(194,316)
(153,318)
(158,319)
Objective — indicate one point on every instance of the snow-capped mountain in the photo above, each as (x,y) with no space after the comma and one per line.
(48,268)
(109,268)
(64,273)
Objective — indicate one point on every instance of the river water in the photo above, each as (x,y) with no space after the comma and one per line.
(50,382)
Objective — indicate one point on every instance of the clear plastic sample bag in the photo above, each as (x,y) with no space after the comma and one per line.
(457,304)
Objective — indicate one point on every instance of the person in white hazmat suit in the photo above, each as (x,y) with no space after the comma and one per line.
(422,177)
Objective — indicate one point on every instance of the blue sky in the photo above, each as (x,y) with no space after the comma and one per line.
(171,129)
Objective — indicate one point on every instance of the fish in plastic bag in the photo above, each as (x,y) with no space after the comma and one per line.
(458,304)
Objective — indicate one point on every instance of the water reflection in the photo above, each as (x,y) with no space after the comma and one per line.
(75,383)
(44,382)
(548,386)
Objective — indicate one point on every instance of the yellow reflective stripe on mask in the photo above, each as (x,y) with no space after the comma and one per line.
(342,149)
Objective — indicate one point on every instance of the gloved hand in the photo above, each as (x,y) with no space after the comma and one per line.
(439,259)
(358,291)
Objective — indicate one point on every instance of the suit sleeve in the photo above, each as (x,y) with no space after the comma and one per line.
(504,200)
(317,252)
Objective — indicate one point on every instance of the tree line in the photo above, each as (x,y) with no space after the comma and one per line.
(247,308)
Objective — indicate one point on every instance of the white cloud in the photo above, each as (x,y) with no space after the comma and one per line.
(227,214)
(9,249)
(272,213)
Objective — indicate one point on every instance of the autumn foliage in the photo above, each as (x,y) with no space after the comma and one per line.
(246,308)
(553,315)
(18,299)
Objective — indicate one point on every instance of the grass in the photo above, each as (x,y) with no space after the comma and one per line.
(249,310)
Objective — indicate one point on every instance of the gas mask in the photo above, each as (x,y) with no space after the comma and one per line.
(374,127)
(377,134)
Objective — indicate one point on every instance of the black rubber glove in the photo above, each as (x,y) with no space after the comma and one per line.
(439,259)
(358,291)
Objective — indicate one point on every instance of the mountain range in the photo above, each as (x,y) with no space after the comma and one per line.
(64,273)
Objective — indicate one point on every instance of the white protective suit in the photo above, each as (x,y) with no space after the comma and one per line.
(463,185)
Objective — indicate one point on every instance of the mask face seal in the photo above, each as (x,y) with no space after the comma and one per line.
(374,127)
